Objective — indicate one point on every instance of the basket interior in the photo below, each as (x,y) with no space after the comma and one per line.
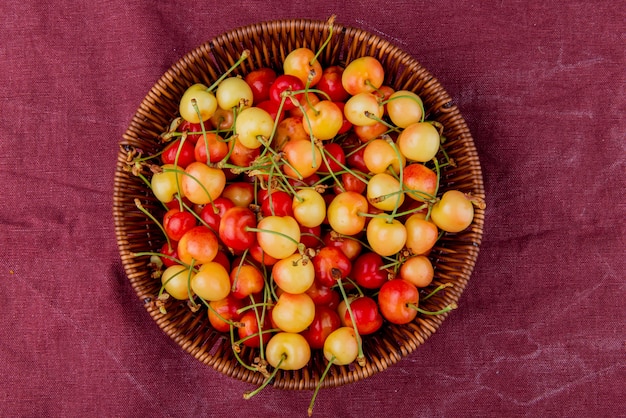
(453,257)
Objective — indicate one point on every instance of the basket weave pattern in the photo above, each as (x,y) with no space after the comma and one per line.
(453,257)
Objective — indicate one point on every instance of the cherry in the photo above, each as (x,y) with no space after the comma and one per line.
(331,264)
(367,271)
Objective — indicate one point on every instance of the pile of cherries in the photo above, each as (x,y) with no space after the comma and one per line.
(299,207)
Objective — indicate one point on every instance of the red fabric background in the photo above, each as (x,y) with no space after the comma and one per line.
(540,328)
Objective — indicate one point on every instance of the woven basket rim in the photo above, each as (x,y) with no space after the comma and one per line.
(208,349)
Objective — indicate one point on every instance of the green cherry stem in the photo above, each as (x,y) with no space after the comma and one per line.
(249,395)
(319,385)
(189,291)
(206,142)
(236,349)
(244,55)
(401,174)
(331,27)
(299,244)
(437,289)
(361,356)
(236,279)
(216,313)
(149,215)
(260,320)
(439,312)
(392,128)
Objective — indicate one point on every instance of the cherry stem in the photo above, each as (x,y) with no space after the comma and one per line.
(361,356)
(244,55)
(236,279)
(216,313)
(248,395)
(382,122)
(252,229)
(198,217)
(319,385)
(331,26)
(151,217)
(178,150)
(256,334)
(206,141)
(236,353)
(439,312)
(439,288)
(252,306)
(347,169)
(189,291)
(325,153)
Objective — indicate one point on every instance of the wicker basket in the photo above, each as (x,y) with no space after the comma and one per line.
(453,257)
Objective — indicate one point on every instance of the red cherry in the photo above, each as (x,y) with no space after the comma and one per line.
(367,271)
(331,264)
(184,150)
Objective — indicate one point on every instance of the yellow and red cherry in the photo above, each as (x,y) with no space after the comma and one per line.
(421,234)
(419,141)
(293,312)
(303,157)
(202,184)
(309,207)
(420,182)
(253,126)
(288,351)
(240,193)
(404,108)
(167,183)
(363,109)
(175,281)
(384,192)
(454,212)
(417,270)
(302,63)
(293,274)
(224,312)
(233,92)
(386,237)
(250,331)
(331,265)
(380,156)
(211,282)
(341,346)
(363,75)
(345,213)
(246,280)
(323,120)
(216,146)
(197,103)
(199,245)
(278,236)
